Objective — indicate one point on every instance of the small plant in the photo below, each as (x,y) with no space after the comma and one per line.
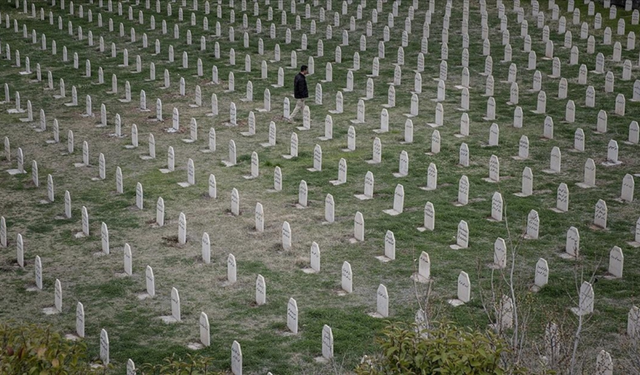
(443,349)
(31,349)
(174,365)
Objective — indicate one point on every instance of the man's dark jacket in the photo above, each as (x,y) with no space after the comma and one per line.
(300,87)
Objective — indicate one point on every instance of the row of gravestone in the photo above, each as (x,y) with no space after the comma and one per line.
(585,304)
(114,90)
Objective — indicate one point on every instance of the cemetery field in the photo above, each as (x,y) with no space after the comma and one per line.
(466,147)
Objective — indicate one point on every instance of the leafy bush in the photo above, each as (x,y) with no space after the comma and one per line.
(31,349)
(444,349)
(193,365)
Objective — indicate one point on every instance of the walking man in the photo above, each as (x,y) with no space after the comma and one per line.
(300,91)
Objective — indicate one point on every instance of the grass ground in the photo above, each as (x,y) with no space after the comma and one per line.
(134,328)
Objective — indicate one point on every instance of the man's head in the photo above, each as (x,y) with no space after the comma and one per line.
(304,70)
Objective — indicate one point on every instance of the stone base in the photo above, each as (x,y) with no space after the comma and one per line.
(195,346)
(522,195)
(130,147)
(433,125)
(188,140)
(375,315)
(420,279)
(456,247)
(14,172)
(427,188)
(372,162)
(423,229)
(455,302)
(459,204)
(247,134)
(169,319)
(164,170)
(261,144)
(398,175)
(610,163)
(249,177)
(227,163)
(337,182)
(335,112)
(557,210)
(302,128)
(550,171)
(146,157)
(79,235)
(380,131)
(486,145)
(362,197)
(313,170)
(325,138)
(357,121)
(584,186)
(384,259)
(289,157)
(322,360)
(309,271)
(490,180)
(353,240)
(184,184)
(633,244)
(300,207)
(578,312)
(392,212)
(50,311)
(71,337)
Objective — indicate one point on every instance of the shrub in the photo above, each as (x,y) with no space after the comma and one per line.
(31,349)
(443,349)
